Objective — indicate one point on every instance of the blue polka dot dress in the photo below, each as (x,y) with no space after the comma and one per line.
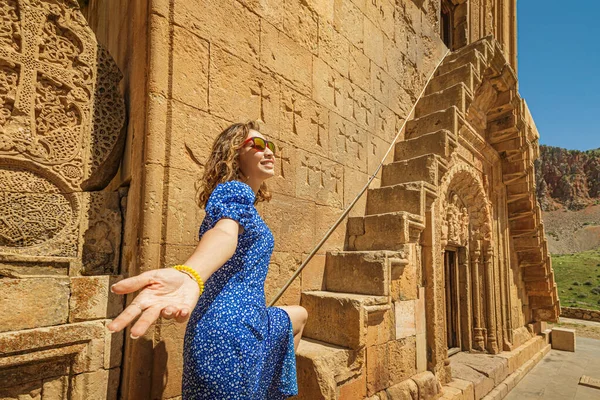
(235,347)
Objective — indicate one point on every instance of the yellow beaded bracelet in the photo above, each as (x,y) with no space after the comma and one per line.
(192,272)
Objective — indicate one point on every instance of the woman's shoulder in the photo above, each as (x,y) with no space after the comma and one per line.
(233,190)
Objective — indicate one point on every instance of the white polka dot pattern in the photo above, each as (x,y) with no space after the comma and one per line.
(235,347)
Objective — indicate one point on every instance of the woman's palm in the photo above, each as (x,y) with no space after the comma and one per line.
(165,292)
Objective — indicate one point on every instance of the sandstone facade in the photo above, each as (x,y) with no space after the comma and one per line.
(61,133)
(446,249)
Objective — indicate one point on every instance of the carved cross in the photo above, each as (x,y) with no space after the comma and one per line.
(352,96)
(332,84)
(263,97)
(337,175)
(320,125)
(30,66)
(294,112)
(380,79)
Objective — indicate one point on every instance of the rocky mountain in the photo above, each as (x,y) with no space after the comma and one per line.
(567,179)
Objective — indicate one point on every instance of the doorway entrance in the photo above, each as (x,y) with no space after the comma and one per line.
(451,275)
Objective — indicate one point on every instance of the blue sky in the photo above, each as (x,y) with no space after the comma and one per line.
(559,70)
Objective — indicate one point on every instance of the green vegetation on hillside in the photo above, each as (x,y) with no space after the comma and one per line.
(578,279)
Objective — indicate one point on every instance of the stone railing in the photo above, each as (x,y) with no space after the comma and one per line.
(580,313)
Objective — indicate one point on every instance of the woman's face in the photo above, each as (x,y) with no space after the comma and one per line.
(254,163)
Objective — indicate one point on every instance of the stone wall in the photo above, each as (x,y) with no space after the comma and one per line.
(331,81)
(61,139)
(580,313)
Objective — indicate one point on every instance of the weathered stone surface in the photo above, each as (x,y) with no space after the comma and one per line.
(207,18)
(101,384)
(405,390)
(91,298)
(405,319)
(29,303)
(428,384)
(190,69)
(563,339)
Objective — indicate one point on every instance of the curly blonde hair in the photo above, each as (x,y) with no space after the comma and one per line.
(223,163)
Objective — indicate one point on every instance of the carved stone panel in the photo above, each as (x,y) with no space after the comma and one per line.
(61,129)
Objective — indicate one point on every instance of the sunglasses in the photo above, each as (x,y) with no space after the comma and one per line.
(260,144)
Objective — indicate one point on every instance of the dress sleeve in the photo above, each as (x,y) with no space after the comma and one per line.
(232,199)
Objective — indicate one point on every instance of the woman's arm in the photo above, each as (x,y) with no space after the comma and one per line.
(215,249)
(170,293)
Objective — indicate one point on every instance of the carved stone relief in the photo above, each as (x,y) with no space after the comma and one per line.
(61,129)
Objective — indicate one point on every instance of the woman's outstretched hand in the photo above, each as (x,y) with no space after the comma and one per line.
(165,292)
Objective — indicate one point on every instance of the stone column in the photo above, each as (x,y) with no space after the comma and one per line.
(488,256)
(478,342)
(466,309)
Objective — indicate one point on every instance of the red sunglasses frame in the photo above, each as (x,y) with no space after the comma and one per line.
(254,145)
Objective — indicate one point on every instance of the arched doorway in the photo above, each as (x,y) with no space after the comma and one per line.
(466,251)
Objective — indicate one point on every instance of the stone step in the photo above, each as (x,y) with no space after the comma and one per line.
(338,318)
(424,168)
(442,143)
(409,197)
(472,56)
(365,233)
(323,366)
(457,95)
(482,46)
(464,74)
(360,272)
(448,119)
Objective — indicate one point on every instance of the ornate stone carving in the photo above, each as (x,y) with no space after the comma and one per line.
(455,226)
(61,127)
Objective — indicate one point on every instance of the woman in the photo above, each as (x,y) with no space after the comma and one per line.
(234,347)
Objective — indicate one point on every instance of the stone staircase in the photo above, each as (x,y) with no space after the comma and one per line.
(355,309)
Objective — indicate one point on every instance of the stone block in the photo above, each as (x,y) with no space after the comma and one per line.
(192,130)
(402,359)
(328,86)
(347,142)
(356,389)
(290,61)
(327,309)
(348,20)
(313,274)
(539,327)
(405,390)
(373,43)
(380,326)
(304,124)
(101,384)
(327,217)
(113,348)
(282,266)
(563,339)
(320,180)
(292,221)
(27,391)
(421,343)
(238,91)
(190,68)
(465,387)
(91,298)
(357,272)
(30,303)
(333,47)
(376,151)
(405,319)
(359,70)
(212,20)
(429,387)
(56,388)
(300,23)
